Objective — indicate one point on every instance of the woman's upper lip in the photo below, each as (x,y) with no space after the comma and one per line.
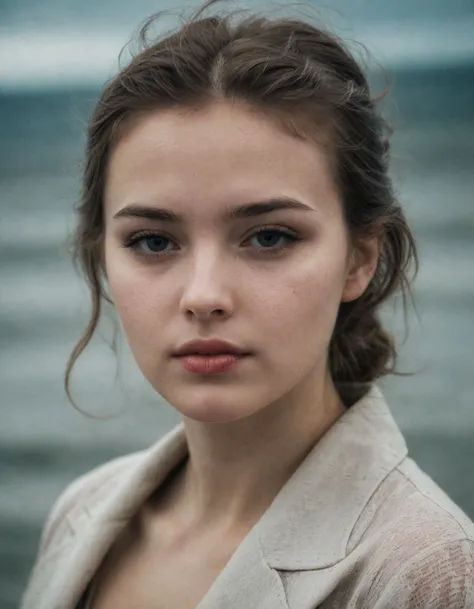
(213,345)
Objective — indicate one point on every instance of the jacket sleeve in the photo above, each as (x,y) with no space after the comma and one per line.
(439,577)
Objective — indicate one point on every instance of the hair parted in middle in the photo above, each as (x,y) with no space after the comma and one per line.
(304,79)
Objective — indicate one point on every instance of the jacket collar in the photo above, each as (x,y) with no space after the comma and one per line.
(332,485)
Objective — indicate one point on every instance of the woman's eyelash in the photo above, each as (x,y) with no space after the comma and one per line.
(134,240)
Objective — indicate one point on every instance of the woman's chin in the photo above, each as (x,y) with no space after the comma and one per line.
(213,405)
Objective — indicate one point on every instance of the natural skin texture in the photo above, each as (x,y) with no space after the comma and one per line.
(217,280)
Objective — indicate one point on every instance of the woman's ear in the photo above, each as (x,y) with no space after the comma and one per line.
(362,265)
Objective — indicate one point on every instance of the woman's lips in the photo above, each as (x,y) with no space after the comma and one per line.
(210,364)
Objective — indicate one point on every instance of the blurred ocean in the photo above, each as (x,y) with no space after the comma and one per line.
(45,443)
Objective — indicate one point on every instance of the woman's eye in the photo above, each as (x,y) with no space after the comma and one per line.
(148,244)
(266,241)
(156,243)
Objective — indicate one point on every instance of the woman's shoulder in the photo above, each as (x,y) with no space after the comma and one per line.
(83,488)
(420,542)
(409,504)
(429,498)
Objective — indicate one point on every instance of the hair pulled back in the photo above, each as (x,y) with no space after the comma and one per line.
(304,78)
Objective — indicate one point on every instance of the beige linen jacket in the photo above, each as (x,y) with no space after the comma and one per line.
(357,526)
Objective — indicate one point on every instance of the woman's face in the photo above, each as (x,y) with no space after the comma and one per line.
(270,283)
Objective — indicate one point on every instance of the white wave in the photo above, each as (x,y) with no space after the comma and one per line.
(32,59)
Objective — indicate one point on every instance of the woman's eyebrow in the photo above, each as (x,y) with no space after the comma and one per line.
(246,210)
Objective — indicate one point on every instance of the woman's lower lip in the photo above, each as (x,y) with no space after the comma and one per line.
(210,364)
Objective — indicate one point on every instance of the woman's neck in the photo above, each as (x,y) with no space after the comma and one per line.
(235,470)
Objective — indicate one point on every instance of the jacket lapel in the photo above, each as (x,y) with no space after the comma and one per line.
(246,581)
(65,570)
(309,523)
(306,529)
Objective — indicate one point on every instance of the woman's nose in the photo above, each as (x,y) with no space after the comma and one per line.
(207,291)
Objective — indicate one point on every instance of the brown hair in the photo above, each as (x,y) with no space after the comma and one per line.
(306,79)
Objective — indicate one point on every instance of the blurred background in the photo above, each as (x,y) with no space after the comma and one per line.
(54,57)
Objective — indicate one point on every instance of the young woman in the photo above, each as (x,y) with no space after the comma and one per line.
(238,213)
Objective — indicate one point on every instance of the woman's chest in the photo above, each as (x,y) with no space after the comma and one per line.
(168,586)
(147,576)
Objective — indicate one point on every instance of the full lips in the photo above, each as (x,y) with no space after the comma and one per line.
(210,364)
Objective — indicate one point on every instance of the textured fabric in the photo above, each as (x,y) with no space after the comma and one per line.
(415,565)
(357,526)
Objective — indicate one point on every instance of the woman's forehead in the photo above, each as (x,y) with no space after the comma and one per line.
(222,153)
